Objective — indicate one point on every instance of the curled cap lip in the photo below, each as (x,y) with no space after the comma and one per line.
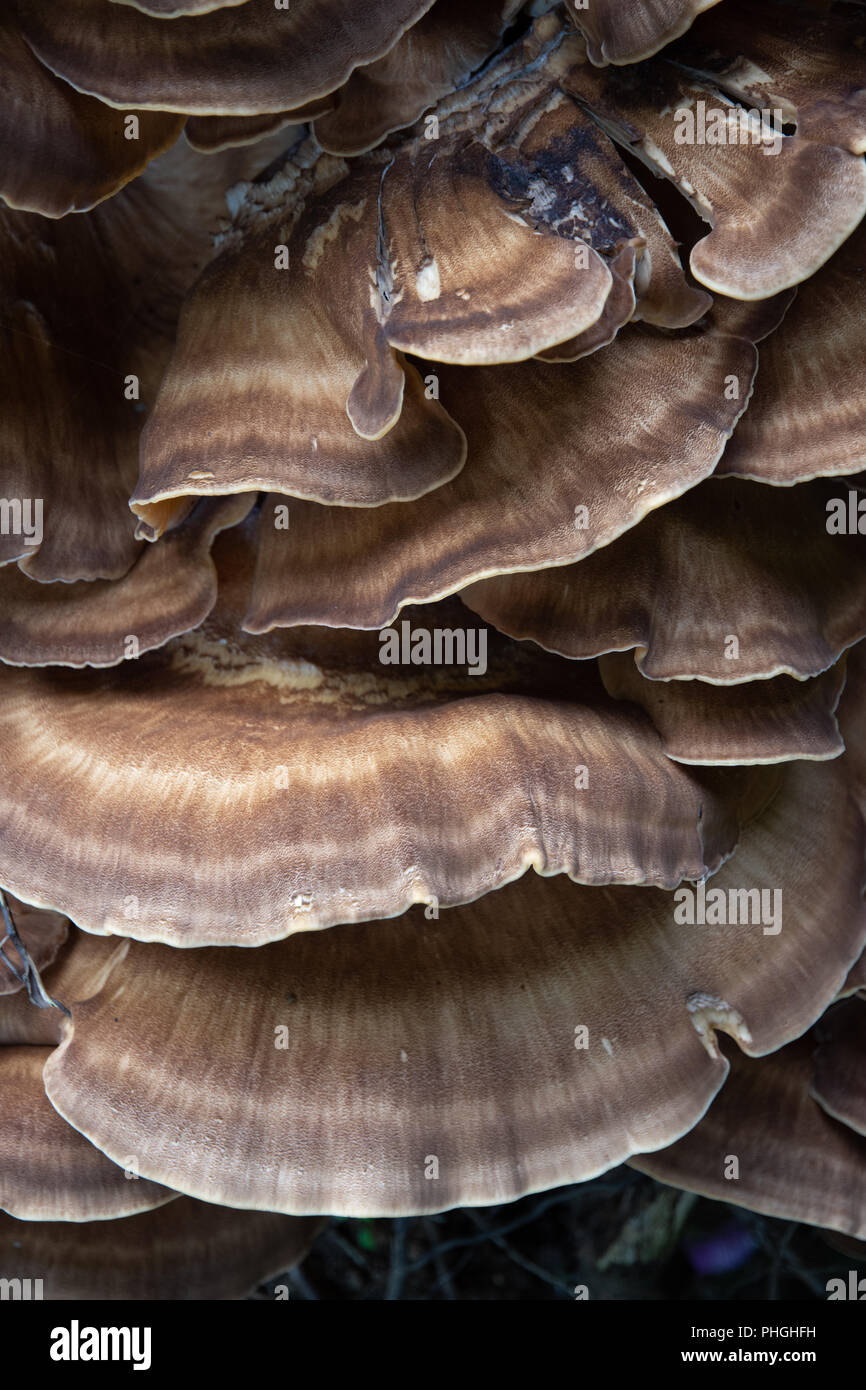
(764,721)
(171,588)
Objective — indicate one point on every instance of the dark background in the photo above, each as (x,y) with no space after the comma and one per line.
(623,1236)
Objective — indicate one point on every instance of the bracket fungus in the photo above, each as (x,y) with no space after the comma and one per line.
(76,385)
(616,434)
(170,589)
(432,618)
(230,769)
(807,65)
(765,237)
(367,1077)
(711,587)
(439,53)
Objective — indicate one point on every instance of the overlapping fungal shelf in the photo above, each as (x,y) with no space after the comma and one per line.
(432,618)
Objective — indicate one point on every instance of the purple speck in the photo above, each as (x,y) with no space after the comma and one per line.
(720,1253)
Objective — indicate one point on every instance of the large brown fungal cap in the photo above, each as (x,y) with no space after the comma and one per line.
(554,171)
(544,289)
(776,1116)
(242,60)
(239,421)
(331,1068)
(520,207)
(206,766)
(452,361)
(810,66)
(184,1250)
(711,587)
(266,876)
(613,436)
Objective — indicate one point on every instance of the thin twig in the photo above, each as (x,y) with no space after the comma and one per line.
(529,1265)
(550,1199)
(397,1271)
(349,1250)
(299,1281)
(29,976)
(444,1280)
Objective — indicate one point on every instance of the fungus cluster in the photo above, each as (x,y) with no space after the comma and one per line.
(432,618)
